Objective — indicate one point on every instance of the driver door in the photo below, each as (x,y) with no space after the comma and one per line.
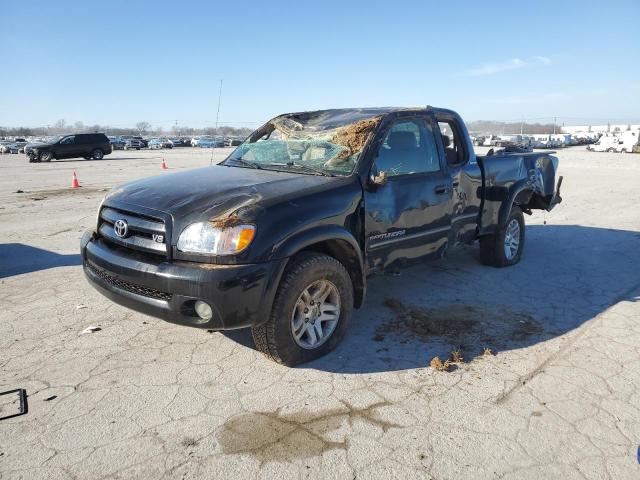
(66,147)
(409,217)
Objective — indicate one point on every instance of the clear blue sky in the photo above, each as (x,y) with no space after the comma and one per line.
(120,62)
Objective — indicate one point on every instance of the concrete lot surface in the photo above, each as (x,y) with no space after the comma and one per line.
(140,398)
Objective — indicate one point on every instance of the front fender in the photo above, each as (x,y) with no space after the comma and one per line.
(305,238)
(337,242)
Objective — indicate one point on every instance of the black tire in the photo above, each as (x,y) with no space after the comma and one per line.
(45,157)
(97,154)
(33,159)
(275,338)
(492,247)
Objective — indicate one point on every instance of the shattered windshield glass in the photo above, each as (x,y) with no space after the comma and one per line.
(326,142)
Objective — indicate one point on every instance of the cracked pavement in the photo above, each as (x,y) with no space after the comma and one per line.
(141,398)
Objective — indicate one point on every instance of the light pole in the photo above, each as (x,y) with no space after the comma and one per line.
(218,112)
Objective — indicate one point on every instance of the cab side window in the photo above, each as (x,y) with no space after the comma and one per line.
(409,147)
(67,140)
(452,141)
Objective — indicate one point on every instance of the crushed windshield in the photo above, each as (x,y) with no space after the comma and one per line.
(324,142)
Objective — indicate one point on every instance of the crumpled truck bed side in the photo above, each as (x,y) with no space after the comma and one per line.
(526,179)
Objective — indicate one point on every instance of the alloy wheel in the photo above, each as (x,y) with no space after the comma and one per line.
(315,314)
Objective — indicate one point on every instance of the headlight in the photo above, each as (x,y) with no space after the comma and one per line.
(205,238)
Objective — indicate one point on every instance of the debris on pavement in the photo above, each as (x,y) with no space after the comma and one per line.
(90,329)
(439,365)
(81,306)
(456,356)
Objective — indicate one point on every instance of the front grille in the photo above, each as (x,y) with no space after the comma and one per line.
(144,233)
(129,287)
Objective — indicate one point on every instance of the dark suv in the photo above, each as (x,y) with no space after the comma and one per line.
(85,145)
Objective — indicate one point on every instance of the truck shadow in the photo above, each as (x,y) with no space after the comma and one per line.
(568,275)
(18,258)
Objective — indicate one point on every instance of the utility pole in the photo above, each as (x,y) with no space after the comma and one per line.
(554,124)
(218,112)
(522,127)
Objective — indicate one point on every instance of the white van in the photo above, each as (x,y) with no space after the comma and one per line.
(605,144)
(626,141)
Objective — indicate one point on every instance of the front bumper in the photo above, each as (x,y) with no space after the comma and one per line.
(239,295)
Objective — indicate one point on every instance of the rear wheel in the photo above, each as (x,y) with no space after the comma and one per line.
(504,248)
(610,150)
(97,154)
(310,313)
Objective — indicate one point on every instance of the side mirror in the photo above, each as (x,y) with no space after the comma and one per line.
(380,179)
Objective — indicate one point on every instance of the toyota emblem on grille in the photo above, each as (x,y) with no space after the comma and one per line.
(121,228)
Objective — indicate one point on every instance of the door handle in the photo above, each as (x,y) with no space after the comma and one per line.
(442,189)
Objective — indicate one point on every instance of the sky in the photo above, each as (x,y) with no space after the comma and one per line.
(120,62)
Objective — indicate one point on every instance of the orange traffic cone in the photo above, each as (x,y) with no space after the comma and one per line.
(74,180)
(164,165)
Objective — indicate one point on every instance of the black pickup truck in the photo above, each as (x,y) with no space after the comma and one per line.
(282,235)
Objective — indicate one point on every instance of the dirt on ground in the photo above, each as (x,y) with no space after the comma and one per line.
(37,195)
(469,329)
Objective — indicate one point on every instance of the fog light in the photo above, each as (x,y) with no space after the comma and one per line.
(203,310)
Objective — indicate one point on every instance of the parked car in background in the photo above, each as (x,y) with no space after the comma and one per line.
(20,143)
(117,143)
(209,142)
(143,142)
(8,146)
(490,141)
(155,144)
(131,142)
(232,142)
(85,145)
(166,143)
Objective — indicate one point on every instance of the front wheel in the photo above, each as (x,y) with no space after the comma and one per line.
(46,156)
(504,248)
(97,154)
(310,312)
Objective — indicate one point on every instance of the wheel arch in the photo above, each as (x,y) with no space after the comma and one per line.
(338,243)
(520,194)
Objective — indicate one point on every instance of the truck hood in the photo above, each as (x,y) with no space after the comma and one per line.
(208,193)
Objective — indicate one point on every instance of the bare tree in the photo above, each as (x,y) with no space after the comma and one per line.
(143,127)
(59,126)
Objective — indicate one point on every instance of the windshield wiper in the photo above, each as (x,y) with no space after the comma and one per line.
(308,168)
(246,162)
